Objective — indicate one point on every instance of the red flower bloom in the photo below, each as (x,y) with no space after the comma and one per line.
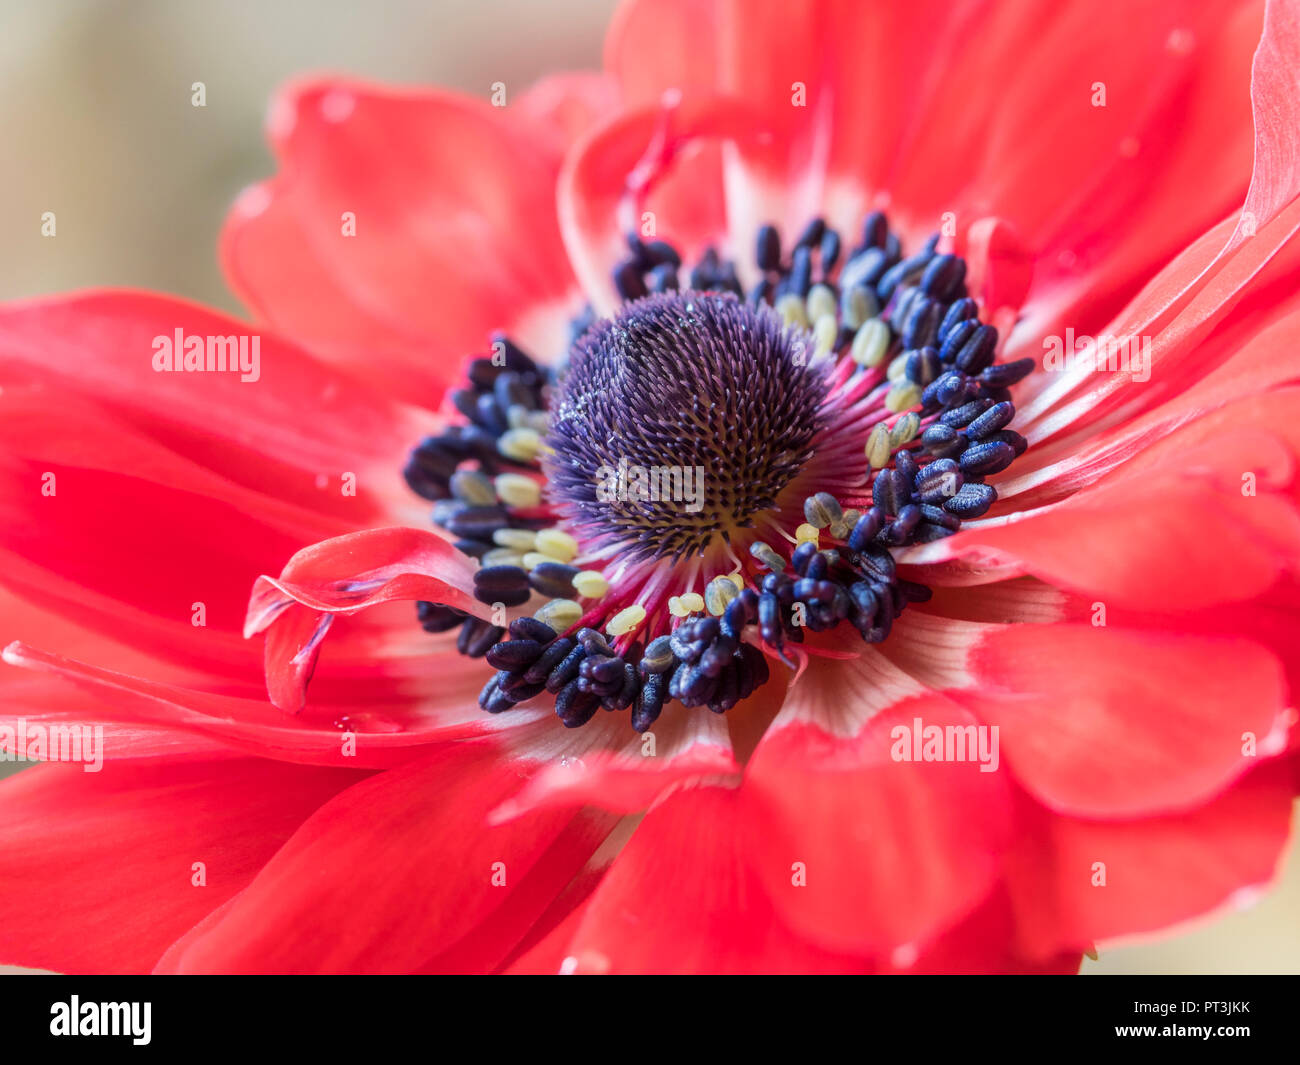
(1078,728)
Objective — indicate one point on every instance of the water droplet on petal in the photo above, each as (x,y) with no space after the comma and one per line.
(904,957)
(253,201)
(336,105)
(586,963)
(1180,41)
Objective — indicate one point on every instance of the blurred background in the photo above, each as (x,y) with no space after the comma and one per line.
(97,126)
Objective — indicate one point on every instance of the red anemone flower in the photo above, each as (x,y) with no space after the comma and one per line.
(865,536)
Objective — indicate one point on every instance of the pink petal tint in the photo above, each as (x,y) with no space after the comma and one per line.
(358,812)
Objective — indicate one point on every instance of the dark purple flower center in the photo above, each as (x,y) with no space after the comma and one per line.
(713,475)
(680,419)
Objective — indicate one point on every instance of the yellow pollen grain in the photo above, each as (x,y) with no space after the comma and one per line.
(870,343)
(473,488)
(591,584)
(559,614)
(533,559)
(520,540)
(821,303)
(807,534)
(840,529)
(902,396)
(626,620)
(905,429)
(682,606)
(792,311)
(522,445)
(860,306)
(824,335)
(878,447)
(719,592)
(558,544)
(516,490)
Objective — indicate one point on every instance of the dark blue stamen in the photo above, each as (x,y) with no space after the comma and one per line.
(986,458)
(921,326)
(977,352)
(944,278)
(434,617)
(923,365)
(971,501)
(768,255)
(960,417)
(476,636)
(903,271)
(629,279)
(960,311)
(943,441)
(812,234)
(875,230)
(955,338)
(503,584)
(830,251)
(799,280)
(1008,373)
(865,268)
(996,417)
(663,278)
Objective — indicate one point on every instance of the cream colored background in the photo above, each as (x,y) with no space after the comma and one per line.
(96,125)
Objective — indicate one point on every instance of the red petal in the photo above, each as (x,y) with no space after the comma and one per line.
(490,945)
(276,435)
(1165,157)
(565,107)
(96,874)
(984,943)
(655,46)
(338,896)
(1108,722)
(455,231)
(218,478)
(1275,182)
(544,950)
(123,576)
(1254,352)
(1177,311)
(1173,118)
(380,728)
(1158,871)
(894,851)
(681,898)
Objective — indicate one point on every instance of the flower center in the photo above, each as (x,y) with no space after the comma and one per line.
(714,474)
(679,420)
